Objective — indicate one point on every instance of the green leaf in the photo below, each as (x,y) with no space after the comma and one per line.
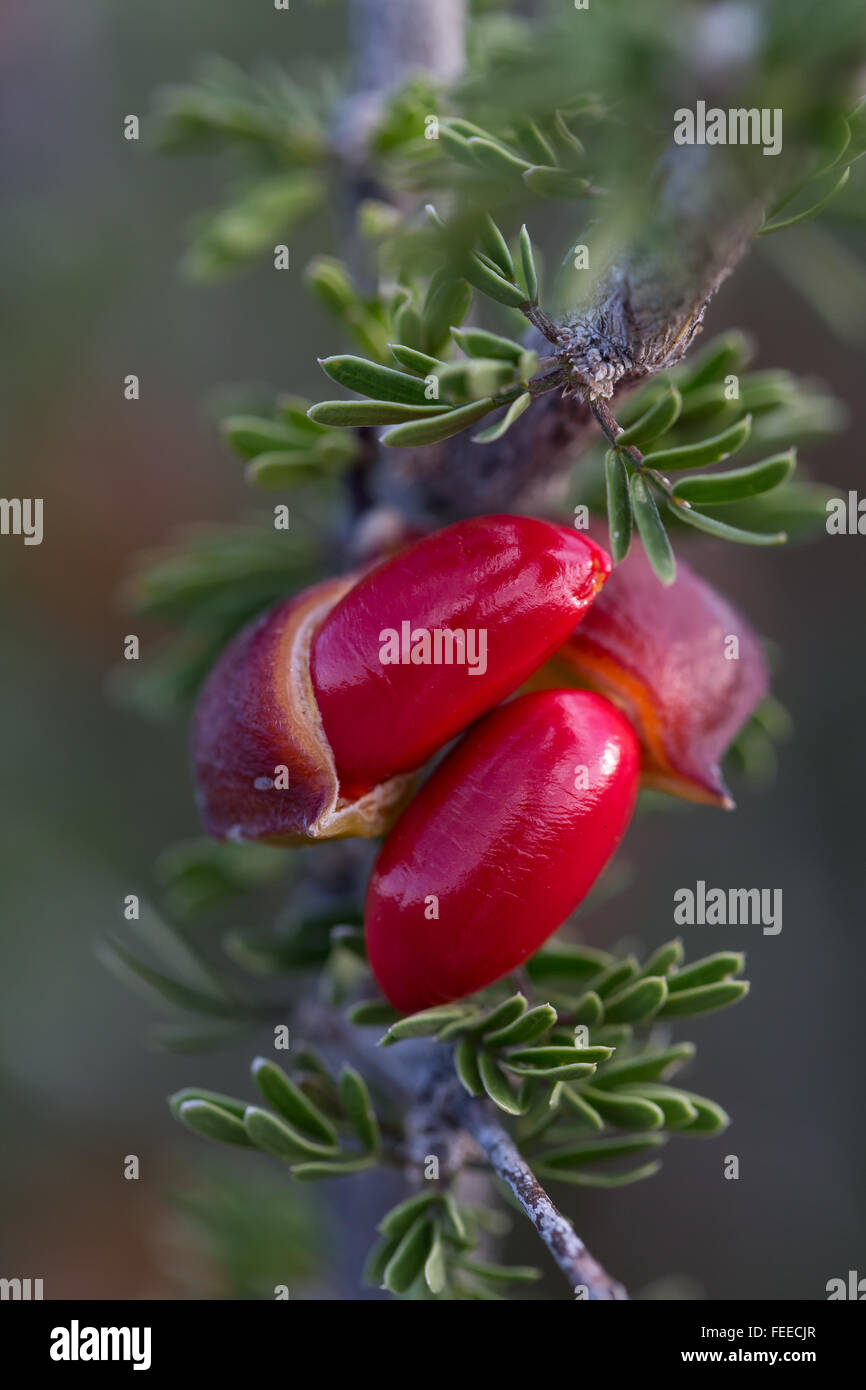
(250,435)
(660,417)
(515,1274)
(652,531)
(777,224)
(576,1155)
(477,342)
(551,182)
(427,1022)
(706,451)
(446,305)
(619,513)
(724,532)
(222,1102)
(502,1015)
(514,412)
(535,142)
(614,976)
(580,1178)
(712,1119)
(489,282)
(352,414)
(646,1066)
(466,1066)
(474,377)
(370,379)
(674,1105)
(495,247)
(572,1097)
(415,361)
(434,1265)
(713,488)
(704,998)
(707,971)
(726,354)
(377,1262)
(358,1106)
(625,1111)
(373,1011)
(153,984)
(662,961)
(290,1101)
(432,431)
(529,1025)
(408,1260)
(339,1168)
(401,1218)
(280,1139)
(455,1219)
(561,962)
(330,281)
(210,1121)
(588,1008)
(527,260)
(637,1001)
(496,1086)
(496,157)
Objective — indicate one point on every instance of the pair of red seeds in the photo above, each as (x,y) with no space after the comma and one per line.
(509,833)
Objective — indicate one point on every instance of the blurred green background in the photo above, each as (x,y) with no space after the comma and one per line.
(90,794)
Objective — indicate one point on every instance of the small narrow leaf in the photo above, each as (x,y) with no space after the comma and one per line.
(474,377)
(427,1022)
(377,1262)
(279,1139)
(662,961)
(625,1111)
(355,1097)
(727,353)
(527,260)
(434,1265)
(530,1025)
(372,1012)
(619,512)
(724,532)
(477,342)
(222,1102)
(209,1121)
(413,360)
(496,247)
(250,435)
(646,1066)
(514,412)
(466,1066)
(588,1008)
(153,983)
(496,157)
(556,1056)
(556,963)
(580,1106)
(704,998)
(371,379)
(496,1086)
(502,1015)
(674,1105)
(290,1101)
(660,417)
(522,1274)
(652,531)
(446,305)
(401,1218)
(705,451)
(550,182)
(711,489)
(339,1168)
(353,414)
(712,1119)
(812,211)
(637,1001)
(409,1258)
(490,283)
(432,431)
(575,1155)
(707,971)
(580,1178)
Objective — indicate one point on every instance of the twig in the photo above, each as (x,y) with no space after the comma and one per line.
(611,430)
(580,1268)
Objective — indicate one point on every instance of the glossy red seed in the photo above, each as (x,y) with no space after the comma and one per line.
(515,584)
(500,845)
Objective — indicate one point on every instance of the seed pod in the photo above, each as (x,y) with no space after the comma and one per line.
(683,664)
(442,632)
(499,846)
(284,753)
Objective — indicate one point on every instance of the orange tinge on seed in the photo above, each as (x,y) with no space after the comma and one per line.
(667,657)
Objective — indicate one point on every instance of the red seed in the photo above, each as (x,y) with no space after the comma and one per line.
(500,846)
(512,583)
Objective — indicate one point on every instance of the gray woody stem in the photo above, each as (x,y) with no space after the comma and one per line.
(580,1268)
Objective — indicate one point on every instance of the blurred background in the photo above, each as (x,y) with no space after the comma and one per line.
(91,794)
